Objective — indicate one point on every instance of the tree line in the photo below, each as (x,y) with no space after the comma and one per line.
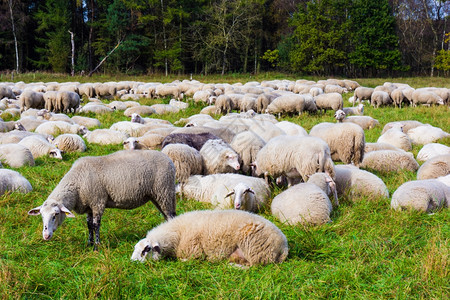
(352,38)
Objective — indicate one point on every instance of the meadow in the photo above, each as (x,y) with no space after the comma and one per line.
(369,251)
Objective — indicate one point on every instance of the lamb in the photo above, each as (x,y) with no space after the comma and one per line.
(288,104)
(295,157)
(426,97)
(39,146)
(105,137)
(219,157)
(59,127)
(194,140)
(240,236)
(124,179)
(363,93)
(226,191)
(187,160)
(435,167)
(422,195)
(426,134)
(16,155)
(365,122)
(332,101)
(380,98)
(13,181)
(389,161)
(346,141)
(396,138)
(407,125)
(247,144)
(359,110)
(433,149)
(306,203)
(69,142)
(350,179)
(31,99)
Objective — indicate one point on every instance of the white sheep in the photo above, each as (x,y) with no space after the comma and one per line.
(164,108)
(142,110)
(380,98)
(350,179)
(426,134)
(306,203)
(16,155)
(333,101)
(225,191)
(86,121)
(31,99)
(363,93)
(130,128)
(426,97)
(239,236)
(105,137)
(287,104)
(406,125)
(421,195)
(69,142)
(219,157)
(389,161)
(40,146)
(96,108)
(186,159)
(358,110)
(291,128)
(124,179)
(365,122)
(397,138)
(369,147)
(247,145)
(346,141)
(59,127)
(435,167)
(433,149)
(13,181)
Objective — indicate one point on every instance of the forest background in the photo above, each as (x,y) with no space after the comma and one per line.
(349,38)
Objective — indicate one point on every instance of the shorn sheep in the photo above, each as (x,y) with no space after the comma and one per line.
(239,236)
(421,195)
(228,191)
(219,157)
(306,203)
(13,181)
(187,160)
(124,179)
(435,167)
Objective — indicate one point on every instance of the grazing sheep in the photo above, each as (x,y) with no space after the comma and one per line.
(359,182)
(6,92)
(332,88)
(39,146)
(59,127)
(223,104)
(295,157)
(219,157)
(165,90)
(124,179)
(380,98)
(69,142)
(389,161)
(105,137)
(67,101)
(247,145)
(86,89)
(407,125)
(363,93)
(105,90)
(51,100)
(239,236)
(225,191)
(433,149)
(398,97)
(86,121)
(426,97)
(332,101)
(13,181)
(421,195)
(16,155)
(306,203)
(187,160)
(426,134)
(359,110)
(31,99)
(369,147)
(396,138)
(194,140)
(365,122)
(435,167)
(287,104)
(346,141)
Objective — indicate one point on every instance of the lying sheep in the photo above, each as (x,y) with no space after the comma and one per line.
(87,122)
(350,179)
(363,93)
(433,149)
(161,109)
(365,122)
(295,157)
(149,141)
(130,128)
(142,110)
(306,203)
(421,195)
(59,127)
(69,142)
(39,146)
(331,101)
(396,138)
(96,109)
(406,125)
(13,181)
(11,125)
(380,98)
(291,128)
(426,134)
(219,157)
(124,179)
(346,141)
(16,155)
(194,140)
(434,167)
(247,144)
(240,236)
(359,110)
(226,191)
(389,161)
(187,160)
(105,137)
(369,147)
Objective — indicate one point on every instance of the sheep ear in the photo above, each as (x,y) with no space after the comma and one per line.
(146,250)
(229,194)
(35,211)
(249,190)
(156,249)
(68,213)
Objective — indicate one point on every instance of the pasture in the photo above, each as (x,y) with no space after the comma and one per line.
(368,251)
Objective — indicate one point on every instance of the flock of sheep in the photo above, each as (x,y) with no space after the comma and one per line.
(231,162)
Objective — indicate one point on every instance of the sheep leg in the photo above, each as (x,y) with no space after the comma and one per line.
(96,226)
(90,224)
(238,257)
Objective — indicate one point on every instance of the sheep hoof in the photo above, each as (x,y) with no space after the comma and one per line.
(239,266)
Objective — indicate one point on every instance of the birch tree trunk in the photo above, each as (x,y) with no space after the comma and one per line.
(14,34)
(73,53)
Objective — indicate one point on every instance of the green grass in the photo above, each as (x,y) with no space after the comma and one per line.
(368,252)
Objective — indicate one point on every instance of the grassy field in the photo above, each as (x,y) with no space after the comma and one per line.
(369,251)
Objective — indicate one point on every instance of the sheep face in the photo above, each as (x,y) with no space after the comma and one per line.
(55,153)
(339,115)
(144,247)
(82,130)
(130,144)
(232,160)
(53,214)
(241,191)
(136,118)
